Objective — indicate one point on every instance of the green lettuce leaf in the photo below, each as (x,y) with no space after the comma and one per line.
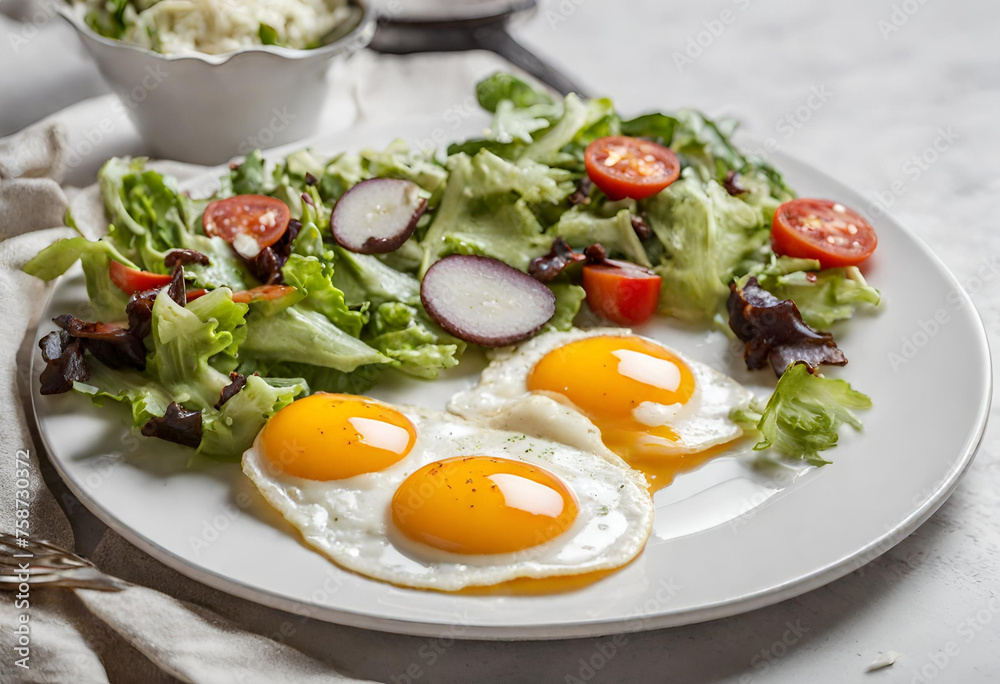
(657,127)
(300,335)
(318,378)
(569,299)
(231,430)
(581,227)
(186,338)
(823,296)
(364,278)
(706,146)
(314,279)
(708,237)
(248,177)
(514,125)
(804,415)
(106,299)
(405,334)
(150,217)
(397,160)
(145,397)
(491,91)
(581,122)
(340,173)
(486,209)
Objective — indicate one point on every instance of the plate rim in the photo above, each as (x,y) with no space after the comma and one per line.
(595,627)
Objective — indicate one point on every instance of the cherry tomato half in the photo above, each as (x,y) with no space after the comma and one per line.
(823,230)
(248,222)
(622,291)
(262,293)
(629,167)
(132,280)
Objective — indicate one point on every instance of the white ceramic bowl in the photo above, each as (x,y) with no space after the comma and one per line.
(207,109)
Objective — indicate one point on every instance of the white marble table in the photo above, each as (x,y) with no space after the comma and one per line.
(898,98)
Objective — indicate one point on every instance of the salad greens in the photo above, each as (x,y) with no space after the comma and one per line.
(804,414)
(353,317)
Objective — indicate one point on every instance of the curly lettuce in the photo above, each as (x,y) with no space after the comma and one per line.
(708,238)
(804,415)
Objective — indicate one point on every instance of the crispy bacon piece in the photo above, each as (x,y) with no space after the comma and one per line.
(559,258)
(140,312)
(266,266)
(596,254)
(773,330)
(177,290)
(732,183)
(641,228)
(232,389)
(185,257)
(112,345)
(177,425)
(582,193)
(64,362)
(140,305)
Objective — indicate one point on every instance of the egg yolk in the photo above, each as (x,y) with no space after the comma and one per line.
(482,505)
(609,377)
(627,386)
(336,436)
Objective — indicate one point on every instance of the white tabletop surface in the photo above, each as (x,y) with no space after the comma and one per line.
(899,99)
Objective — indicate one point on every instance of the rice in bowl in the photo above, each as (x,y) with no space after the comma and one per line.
(177,27)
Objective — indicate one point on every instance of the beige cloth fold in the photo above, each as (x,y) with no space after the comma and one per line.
(138,634)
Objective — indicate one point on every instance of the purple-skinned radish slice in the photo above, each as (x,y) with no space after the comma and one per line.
(376,216)
(485,301)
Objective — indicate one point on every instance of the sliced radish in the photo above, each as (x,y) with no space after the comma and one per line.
(377,215)
(485,301)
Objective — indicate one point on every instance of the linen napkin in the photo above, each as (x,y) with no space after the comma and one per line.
(144,633)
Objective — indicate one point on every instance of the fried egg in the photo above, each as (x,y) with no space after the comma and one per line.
(425,499)
(657,409)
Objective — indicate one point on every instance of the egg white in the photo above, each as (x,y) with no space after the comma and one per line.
(350,520)
(501,398)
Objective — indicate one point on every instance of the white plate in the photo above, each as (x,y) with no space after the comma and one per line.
(727,538)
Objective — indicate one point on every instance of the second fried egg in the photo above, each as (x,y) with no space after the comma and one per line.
(657,409)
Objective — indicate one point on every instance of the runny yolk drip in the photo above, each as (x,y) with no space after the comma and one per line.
(628,387)
(336,436)
(482,505)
